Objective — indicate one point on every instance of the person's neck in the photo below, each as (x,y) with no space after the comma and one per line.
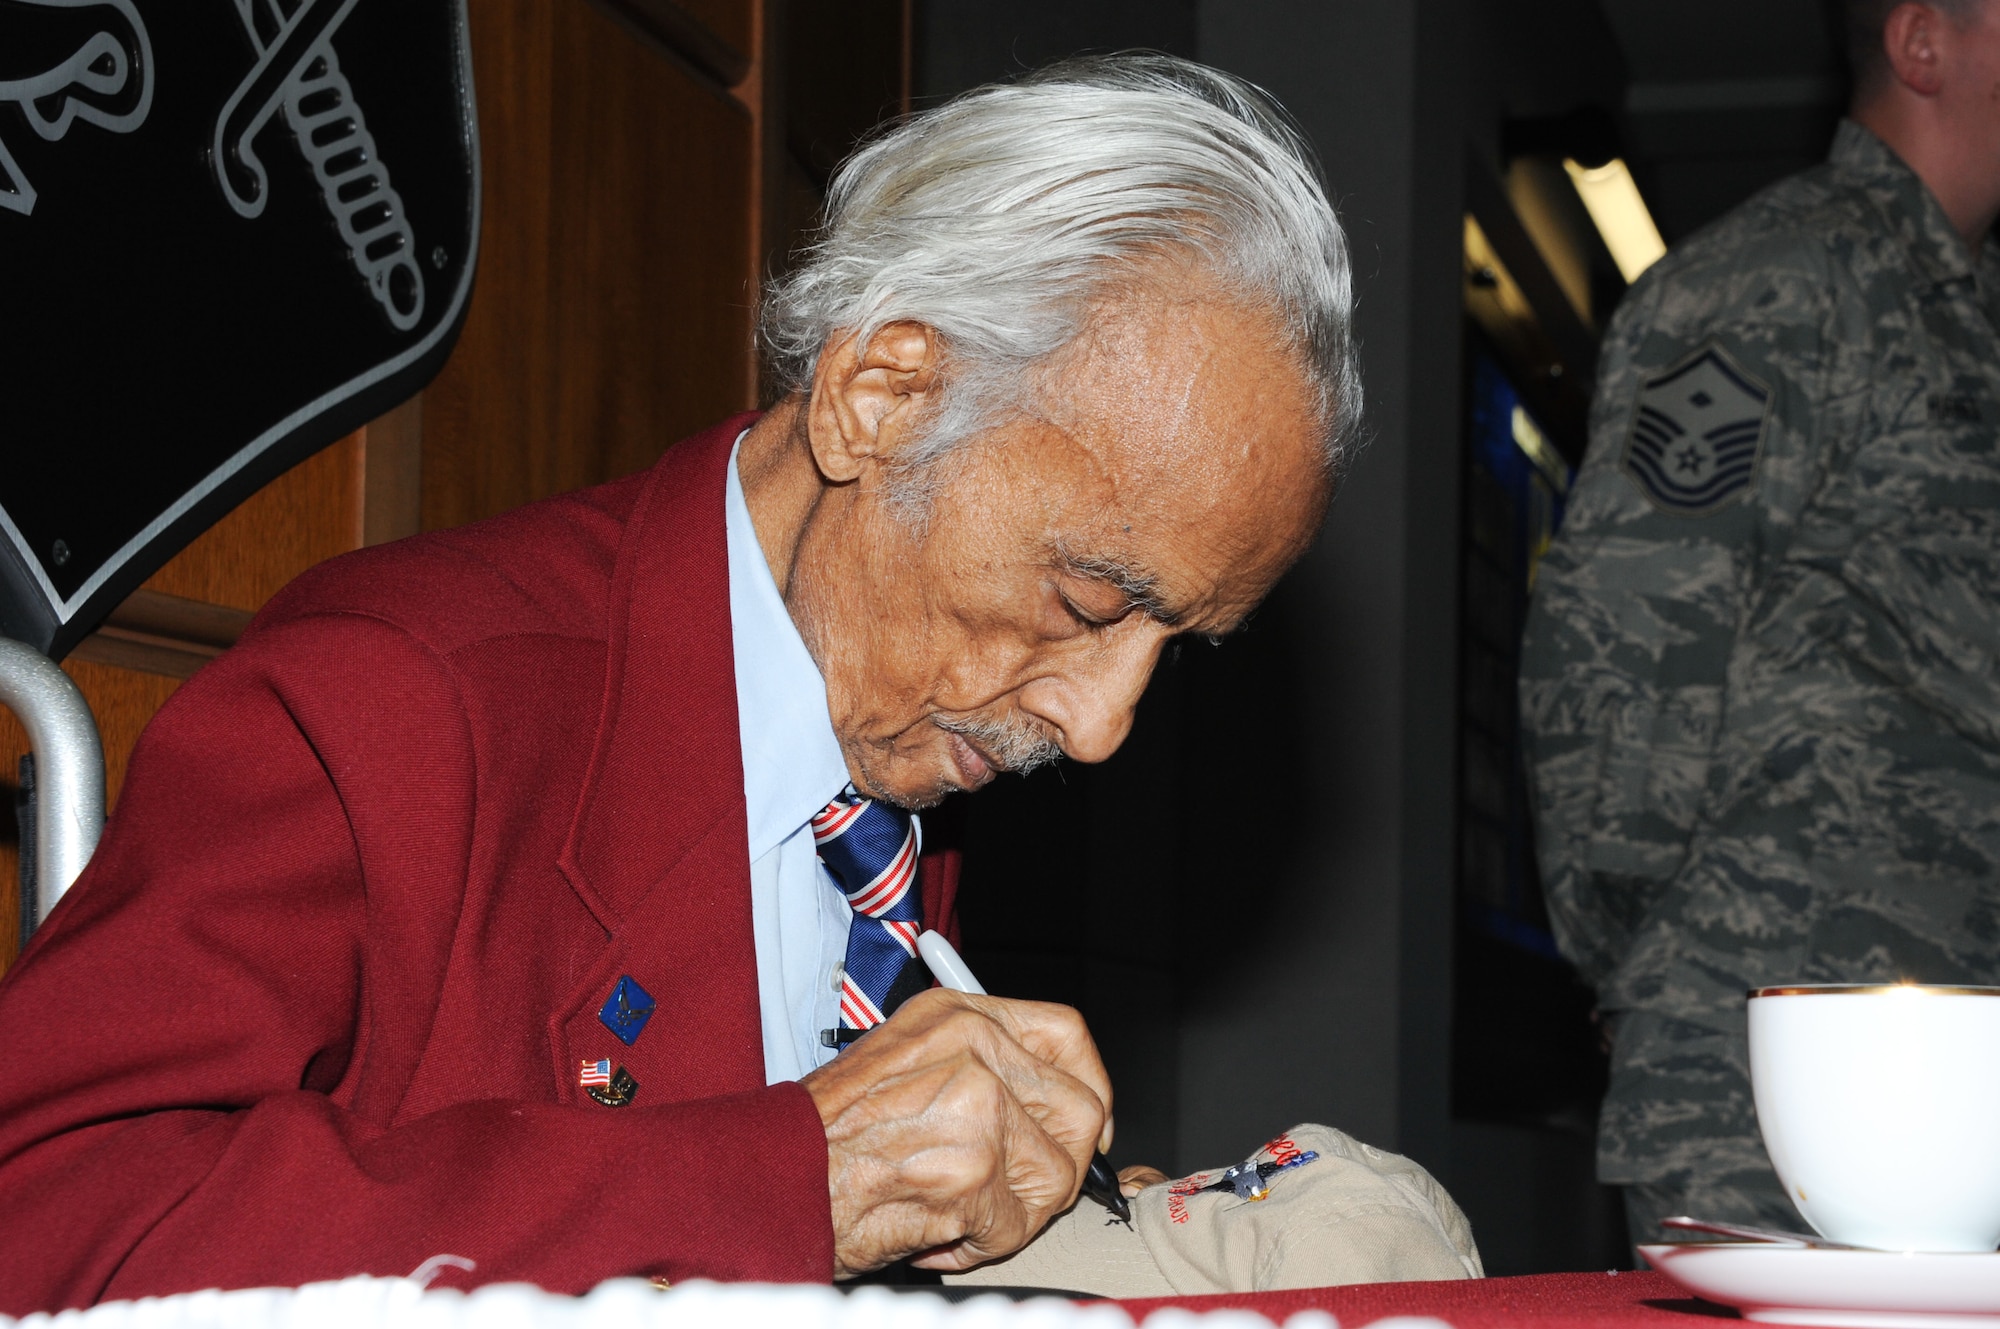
(781,485)
(1956,167)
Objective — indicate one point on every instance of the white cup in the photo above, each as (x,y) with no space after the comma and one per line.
(1880,1107)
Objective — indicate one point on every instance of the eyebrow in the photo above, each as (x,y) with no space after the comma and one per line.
(1141,589)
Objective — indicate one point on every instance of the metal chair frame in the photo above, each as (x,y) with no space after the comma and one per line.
(68,771)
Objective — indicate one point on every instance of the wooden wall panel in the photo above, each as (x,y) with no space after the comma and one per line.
(732,21)
(652,302)
(392,473)
(612,305)
(491,428)
(309,513)
(718,40)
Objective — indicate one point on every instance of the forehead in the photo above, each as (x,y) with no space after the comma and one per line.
(1202,436)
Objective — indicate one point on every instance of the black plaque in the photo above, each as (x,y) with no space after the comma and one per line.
(231,231)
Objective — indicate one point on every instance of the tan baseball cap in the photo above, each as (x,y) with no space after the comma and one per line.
(1334,1211)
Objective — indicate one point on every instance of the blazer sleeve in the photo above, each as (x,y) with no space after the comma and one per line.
(195,1089)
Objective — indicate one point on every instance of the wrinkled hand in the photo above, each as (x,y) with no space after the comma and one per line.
(958,1129)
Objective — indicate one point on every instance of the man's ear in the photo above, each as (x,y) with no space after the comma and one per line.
(867,398)
(1912,39)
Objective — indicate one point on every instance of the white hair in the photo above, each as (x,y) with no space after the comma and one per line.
(1001,217)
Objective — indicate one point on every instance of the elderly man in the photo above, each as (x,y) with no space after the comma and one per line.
(1760,678)
(521,893)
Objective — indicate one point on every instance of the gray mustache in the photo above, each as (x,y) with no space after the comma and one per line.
(1014,745)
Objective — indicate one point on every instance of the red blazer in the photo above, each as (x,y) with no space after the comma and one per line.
(319,1004)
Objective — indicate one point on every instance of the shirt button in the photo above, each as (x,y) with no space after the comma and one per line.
(839,972)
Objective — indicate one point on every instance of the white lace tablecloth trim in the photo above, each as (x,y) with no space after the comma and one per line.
(402,1303)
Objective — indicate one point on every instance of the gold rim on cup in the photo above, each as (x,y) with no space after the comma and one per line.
(1871,989)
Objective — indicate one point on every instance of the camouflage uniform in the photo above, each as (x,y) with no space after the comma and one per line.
(1761,681)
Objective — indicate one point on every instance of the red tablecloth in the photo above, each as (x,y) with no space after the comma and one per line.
(1541,1301)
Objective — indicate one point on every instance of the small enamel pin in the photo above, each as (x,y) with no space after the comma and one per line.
(626,1011)
(1251,1180)
(609,1087)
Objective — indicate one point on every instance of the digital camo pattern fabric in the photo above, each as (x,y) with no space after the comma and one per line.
(1761,680)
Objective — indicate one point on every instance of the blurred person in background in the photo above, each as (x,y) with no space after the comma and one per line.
(1761,679)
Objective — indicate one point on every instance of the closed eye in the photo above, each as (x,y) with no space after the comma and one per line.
(1134,589)
(1092,621)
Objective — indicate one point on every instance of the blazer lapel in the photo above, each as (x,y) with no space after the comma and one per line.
(658,847)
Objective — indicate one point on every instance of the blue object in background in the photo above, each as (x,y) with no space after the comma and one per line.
(1516,483)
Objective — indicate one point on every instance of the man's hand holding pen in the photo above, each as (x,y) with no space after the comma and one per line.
(958,1128)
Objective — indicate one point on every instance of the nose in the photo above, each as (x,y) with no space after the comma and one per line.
(1091,702)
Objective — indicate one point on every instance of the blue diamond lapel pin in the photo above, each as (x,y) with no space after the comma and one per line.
(626,1011)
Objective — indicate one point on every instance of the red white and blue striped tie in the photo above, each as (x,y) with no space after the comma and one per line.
(870,850)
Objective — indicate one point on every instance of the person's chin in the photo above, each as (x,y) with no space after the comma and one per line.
(914,786)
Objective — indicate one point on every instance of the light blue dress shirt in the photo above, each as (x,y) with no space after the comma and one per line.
(792,767)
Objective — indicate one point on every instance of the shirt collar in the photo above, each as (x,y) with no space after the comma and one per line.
(1913,213)
(792,763)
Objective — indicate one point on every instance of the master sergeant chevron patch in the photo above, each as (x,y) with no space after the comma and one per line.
(1696,433)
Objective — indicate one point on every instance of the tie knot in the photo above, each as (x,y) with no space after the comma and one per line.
(870,849)
(838,815)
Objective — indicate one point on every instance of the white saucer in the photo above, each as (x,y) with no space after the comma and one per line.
(1845,1289)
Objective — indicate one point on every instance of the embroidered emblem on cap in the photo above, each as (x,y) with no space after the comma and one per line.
(620,1091)
(1177,1195)
(1696,433)
(1248,1180)
(1251,1180)
(626,1011)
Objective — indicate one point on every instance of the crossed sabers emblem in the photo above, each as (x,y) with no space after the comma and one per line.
(297,69)
(108,82)
(95,84)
